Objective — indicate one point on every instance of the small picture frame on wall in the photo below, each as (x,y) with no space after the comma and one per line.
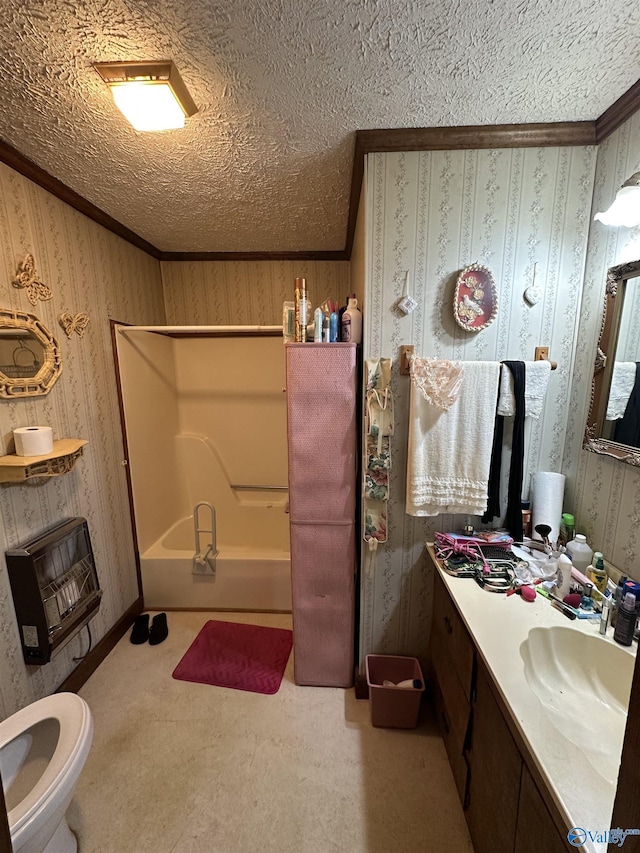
(475,303)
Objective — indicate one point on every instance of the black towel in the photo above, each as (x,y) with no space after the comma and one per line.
(493,494)
(513,517)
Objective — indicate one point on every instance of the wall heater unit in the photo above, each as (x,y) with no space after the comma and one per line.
(55,588)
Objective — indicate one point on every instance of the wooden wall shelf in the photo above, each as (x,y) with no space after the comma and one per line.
(18,469)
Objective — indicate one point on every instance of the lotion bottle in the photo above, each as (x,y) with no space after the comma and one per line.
(563,575)
(352,323)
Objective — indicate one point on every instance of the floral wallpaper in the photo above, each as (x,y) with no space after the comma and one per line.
(246,293)
(428,215)
(425,216)
(89,270)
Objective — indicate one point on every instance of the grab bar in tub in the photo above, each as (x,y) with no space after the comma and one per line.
(204,562)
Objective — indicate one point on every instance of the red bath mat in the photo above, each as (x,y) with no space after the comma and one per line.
(231,654)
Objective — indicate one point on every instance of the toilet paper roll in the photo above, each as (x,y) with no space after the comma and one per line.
(33,441)
(548,496)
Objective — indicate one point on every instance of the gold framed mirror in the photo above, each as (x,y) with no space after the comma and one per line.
(613,424)
(30,358)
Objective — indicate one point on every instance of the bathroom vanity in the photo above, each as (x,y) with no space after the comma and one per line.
(529,759)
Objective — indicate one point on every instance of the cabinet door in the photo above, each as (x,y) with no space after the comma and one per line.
(536,830)
(448,623)
(451,707)
(495,768)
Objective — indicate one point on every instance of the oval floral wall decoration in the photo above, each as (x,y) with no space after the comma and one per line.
(475,303)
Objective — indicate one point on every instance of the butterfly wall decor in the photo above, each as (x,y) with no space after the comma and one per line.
(27,279)
(71,324)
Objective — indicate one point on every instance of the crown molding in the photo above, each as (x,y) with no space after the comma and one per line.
(12,157)
(456,138)
(339,255)
(618,112)
(366,142)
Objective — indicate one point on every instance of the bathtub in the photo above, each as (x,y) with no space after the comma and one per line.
(245,579)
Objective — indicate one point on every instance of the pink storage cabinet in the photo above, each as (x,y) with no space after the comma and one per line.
(322,387)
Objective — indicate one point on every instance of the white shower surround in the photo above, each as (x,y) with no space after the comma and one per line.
(246,578)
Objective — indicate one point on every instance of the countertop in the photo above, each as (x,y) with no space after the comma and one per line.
(499,625)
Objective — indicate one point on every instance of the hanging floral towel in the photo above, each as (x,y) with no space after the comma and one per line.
(376,480)
(377,452)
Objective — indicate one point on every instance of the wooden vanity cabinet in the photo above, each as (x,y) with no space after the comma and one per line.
(495,768)
(452,675)
(506,811)
(536,830)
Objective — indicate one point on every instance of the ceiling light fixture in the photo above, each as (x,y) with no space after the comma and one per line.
(151,95)
(625,209)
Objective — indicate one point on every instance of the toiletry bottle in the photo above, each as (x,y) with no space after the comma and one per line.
(617,598)
(605,618)
(340,314)
(580,552)
(326,332)
(317,325)
(288,322)
(526,518)
(567,528)
(333,327)
(300,294)
(597,572)
(634,587)
(563,575)
(587,600)
(626,621)
(352,323)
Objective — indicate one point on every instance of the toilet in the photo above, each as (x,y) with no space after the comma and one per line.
(43,749)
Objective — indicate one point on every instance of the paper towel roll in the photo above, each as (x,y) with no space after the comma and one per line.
(548,495)
(33,441)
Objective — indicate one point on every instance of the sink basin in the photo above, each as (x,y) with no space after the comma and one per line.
(583,683)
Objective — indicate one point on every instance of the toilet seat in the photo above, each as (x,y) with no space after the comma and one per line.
(74,739)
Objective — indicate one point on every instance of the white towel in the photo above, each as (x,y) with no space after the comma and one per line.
(535,387)
(450,451)
(623,379)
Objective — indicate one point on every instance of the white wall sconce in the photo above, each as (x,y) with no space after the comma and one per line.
(625,209)
(151,95)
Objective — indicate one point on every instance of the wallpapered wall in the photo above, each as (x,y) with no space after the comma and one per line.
(432,214)
(604,493)
(91,270)
(245,292)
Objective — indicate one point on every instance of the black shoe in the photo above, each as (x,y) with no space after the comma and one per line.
(159,630)
(140,630)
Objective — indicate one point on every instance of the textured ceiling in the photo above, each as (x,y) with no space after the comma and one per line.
(281,86)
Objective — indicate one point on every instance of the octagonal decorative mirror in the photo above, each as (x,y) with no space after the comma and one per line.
(30,358)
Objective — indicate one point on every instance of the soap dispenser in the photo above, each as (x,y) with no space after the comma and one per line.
(597,572)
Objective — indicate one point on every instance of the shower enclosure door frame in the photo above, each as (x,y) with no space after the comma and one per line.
(118,326)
